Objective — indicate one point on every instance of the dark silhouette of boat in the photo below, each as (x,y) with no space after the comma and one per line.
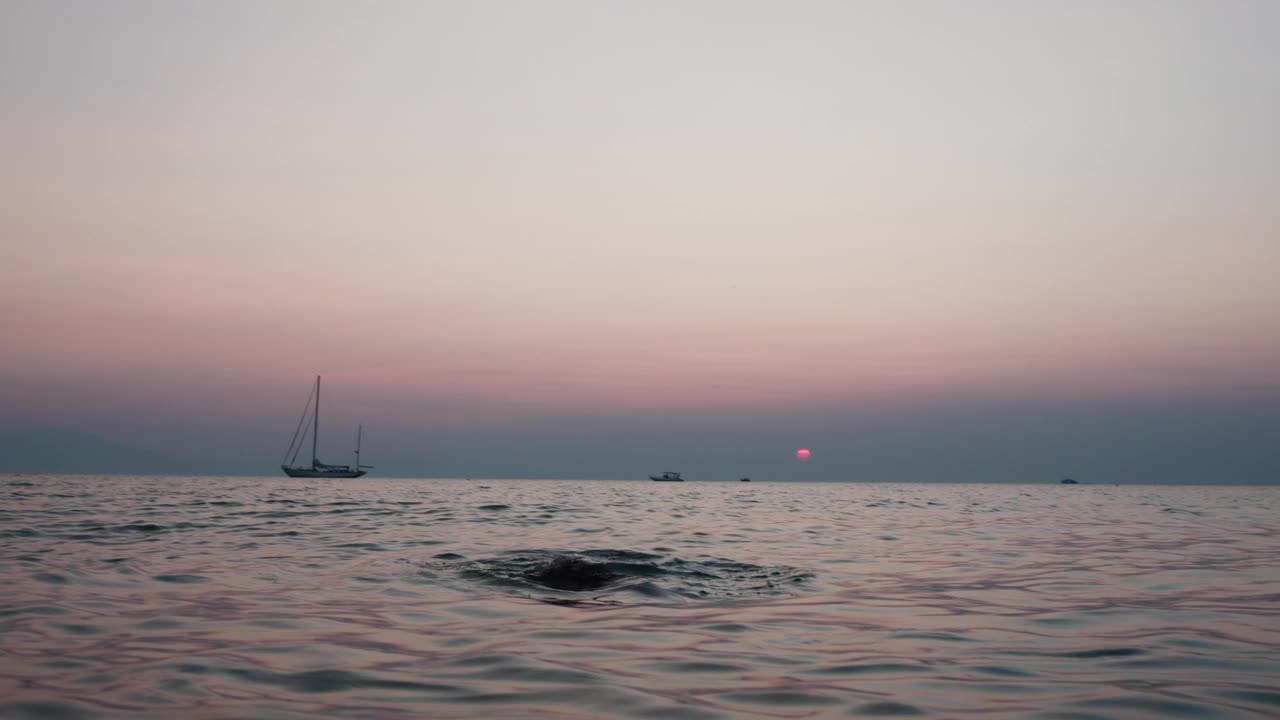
(667,477)
(1069,481)
(317,469)
(744,479)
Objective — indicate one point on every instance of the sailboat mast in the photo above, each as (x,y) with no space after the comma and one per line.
(315,430)
(359,432)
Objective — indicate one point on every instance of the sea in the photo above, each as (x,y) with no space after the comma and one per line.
(233,597)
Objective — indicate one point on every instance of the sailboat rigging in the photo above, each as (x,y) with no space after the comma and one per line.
(317,469)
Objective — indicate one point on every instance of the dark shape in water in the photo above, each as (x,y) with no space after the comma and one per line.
(1069,481)
(744,479)
(564,572)
(667,477)
(638,574)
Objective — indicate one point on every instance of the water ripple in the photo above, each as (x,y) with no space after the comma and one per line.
(250,597)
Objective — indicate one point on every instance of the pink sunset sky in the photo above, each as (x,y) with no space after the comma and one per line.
(466,213)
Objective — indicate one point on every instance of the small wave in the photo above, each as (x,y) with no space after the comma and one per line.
(888,709)
(181,579)
(319,681)
(139,527)
(45,709)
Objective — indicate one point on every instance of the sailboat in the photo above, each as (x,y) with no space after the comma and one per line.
(317,469)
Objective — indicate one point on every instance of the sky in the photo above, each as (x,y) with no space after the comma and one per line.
(930,241)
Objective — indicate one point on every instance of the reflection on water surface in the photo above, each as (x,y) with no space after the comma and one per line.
(239,597)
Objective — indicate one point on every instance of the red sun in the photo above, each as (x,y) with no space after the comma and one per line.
(803,454)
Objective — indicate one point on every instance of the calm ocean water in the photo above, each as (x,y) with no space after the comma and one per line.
(205,597)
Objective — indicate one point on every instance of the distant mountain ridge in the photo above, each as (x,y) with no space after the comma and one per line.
(59,450)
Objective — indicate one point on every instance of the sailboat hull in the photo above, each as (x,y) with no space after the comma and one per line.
(335,474)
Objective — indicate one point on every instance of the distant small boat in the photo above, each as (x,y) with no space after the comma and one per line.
(744,479)
(317,469)
(1069,481)
(667,477)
